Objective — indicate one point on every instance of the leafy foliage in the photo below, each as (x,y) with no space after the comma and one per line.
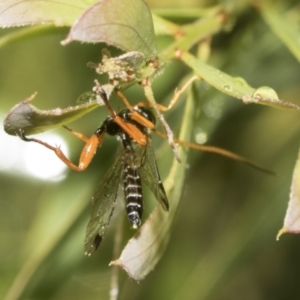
(206,242)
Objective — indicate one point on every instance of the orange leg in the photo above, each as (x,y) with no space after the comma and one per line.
(124,99)
(173,101)
(141,120)
(79,135)
(134,114)
(87,152)
(158,108)
(217,150)
(129,128)
(138,136)
(132,130)
(177,93)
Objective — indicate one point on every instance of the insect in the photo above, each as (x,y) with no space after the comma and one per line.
(134,164)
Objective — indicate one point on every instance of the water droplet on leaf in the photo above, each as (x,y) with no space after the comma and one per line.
(239,81)
(227,87)
(265,92)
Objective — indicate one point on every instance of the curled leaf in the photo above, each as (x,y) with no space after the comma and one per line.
(145,249)
(291,222)
(33,120)
(125,24)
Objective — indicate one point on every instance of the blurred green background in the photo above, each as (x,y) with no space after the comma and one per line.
(222,243)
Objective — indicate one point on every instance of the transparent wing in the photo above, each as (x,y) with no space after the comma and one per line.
(150,175)
(103,205)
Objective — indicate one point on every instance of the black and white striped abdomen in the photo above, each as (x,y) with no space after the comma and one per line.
(133,195)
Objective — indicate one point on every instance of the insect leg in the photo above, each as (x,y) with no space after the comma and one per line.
(177,94)
(77,134)
(150,97)
(86,156)
(217,150)
(129,128)
(175,98)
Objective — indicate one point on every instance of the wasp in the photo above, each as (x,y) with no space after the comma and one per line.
(135,163)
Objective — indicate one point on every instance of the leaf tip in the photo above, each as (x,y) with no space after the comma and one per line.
(281,232)
(120,263)
(30,98)
(66,41)
(116,262)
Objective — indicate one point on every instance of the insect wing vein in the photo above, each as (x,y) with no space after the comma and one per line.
(150,174)
(103,205)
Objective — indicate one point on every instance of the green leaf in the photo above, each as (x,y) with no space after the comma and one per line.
(165,27)
(30,12)
(283,26)
(191,34)
(48,230)
(25,33)
(33,120)
(125,24)
(235,86)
